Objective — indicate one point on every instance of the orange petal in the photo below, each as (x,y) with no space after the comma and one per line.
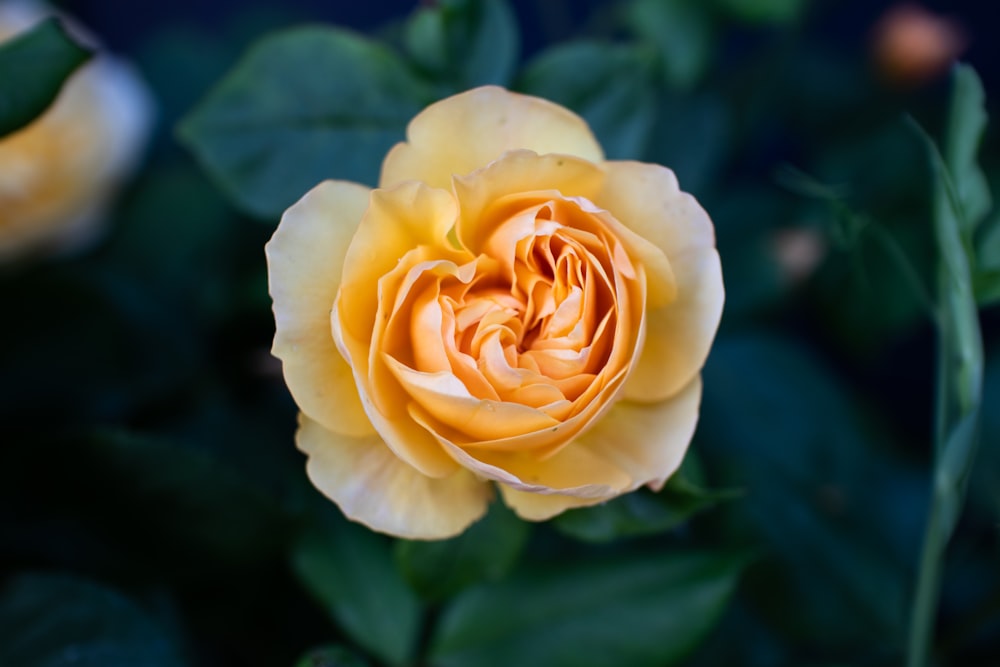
(372,486)
(397,221)
(383,399)
(304,258)
(467,131)
(448,400)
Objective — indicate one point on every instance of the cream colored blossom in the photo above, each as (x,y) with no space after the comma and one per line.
(58,173)
(506,310)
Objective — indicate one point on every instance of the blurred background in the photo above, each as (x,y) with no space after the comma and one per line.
(150,489)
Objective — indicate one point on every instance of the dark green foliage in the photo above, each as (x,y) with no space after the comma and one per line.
(59,620)
(647,610)
(281,122)
(33,68)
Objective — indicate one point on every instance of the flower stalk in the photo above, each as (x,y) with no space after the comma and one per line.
(957,205)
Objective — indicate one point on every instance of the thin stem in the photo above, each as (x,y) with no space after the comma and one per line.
(928,591)
(959,395)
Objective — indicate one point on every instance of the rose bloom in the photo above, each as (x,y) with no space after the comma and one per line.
(506,307)
(58,174)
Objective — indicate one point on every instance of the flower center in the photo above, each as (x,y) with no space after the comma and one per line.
(532,319)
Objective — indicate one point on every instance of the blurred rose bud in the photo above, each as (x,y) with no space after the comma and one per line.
(911,45)
(58,174)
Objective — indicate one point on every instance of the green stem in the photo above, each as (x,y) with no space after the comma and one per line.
(959,394)
(928,591)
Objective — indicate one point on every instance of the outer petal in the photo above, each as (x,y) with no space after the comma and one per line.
(647,441)
(679,336)
(540,506)
(402,225)
(515,173)
(646,198)
(305,258)
(465,132)
(372,486)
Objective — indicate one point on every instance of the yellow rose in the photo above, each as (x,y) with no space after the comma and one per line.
(507,307)
(58,173)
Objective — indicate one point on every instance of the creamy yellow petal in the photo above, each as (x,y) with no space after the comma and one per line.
(397,221)
(304,258)
(646,199)
(571,471)
(679,336)
(467,131)
(542,506)
(371,485)
(516,173)
(646,440)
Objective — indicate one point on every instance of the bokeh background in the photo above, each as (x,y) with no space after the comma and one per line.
(151,495)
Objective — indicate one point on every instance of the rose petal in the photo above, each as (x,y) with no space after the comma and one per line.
(371,485)
(518,172)
(662,283)
(468,131)
(383,399)
(646,199)
(446,398)
(305,257)
(646,440)
(397,221)
(543,506)
(679,336)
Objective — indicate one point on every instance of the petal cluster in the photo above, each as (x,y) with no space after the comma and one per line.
(506,310)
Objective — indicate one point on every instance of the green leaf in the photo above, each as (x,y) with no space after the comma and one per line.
(609,85)
(331,656)
(650,610)
(985,485)
(51,620)
(642,512)
(486,551)
(986,278)
(303,105)
(680,32)
(468,43)
(966,124)
(350,572)
(824,499)
(33,68)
